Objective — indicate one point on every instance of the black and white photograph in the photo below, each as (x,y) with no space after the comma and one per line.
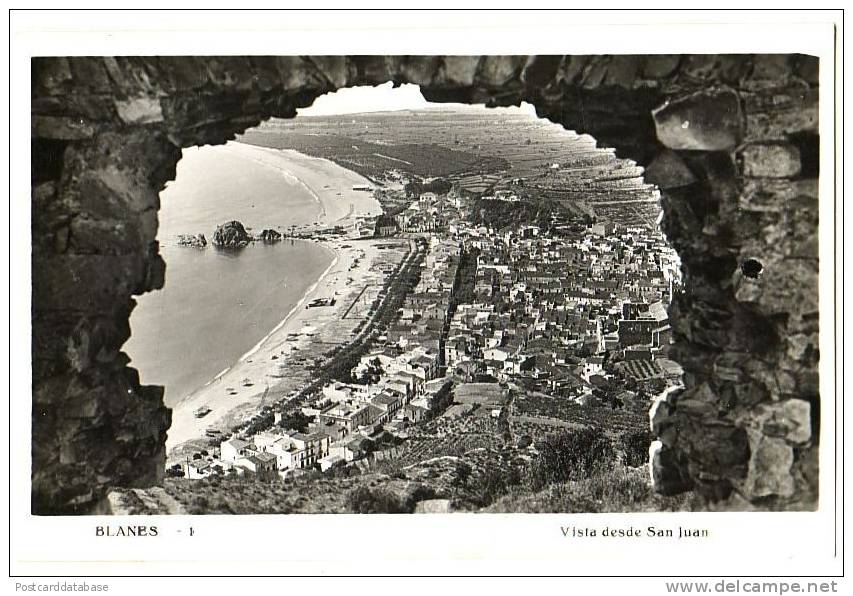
(463,284)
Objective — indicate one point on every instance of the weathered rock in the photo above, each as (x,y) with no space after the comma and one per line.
(231,72)
(460,70)
(721,449)
(771,160)
(140,110)
(51,76)
(807,67)
(799,344)
(667,474)
(43,194)
(68,129)
(622,71)
(771,66)
(84,282)
(703,121)
(231,235)
(700,66)
(660,65)
(539,71)
(499,70)
(270,236)
(419,70)
(334,69)
(746,289)
(194,240)
(669,171)
(776,195)
(92,73)
(434,506)
(776,123)
(770,469)
(789,420)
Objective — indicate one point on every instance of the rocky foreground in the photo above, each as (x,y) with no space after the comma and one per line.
(445,485)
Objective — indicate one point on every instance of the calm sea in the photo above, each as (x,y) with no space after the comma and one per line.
(216,305)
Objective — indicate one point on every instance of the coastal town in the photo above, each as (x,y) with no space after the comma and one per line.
(498,313)
(537,308)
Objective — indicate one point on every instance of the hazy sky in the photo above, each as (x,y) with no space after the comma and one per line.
(382,98)
(367,99)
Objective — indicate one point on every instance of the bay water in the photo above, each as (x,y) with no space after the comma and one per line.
(218,304)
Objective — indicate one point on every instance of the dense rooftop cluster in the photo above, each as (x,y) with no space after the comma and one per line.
(555,315)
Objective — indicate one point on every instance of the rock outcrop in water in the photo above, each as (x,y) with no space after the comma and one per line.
(231,235)
(270,236)
(194,240)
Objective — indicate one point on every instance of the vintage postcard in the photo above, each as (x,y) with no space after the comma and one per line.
(542,299)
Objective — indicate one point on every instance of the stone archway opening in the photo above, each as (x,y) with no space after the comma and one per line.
(372,131)
(730,140)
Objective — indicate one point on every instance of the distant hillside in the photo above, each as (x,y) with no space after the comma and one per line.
(372,160)
(549,161)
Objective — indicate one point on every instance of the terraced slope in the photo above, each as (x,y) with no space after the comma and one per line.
(507,147)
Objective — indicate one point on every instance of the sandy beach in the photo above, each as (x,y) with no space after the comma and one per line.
(329,184)
(274,366)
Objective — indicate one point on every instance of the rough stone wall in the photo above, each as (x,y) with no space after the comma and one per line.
(731,140)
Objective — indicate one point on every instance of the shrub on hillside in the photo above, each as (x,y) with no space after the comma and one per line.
(616,490)
(572,455)
(461,474)
(525,441)
(635,448)
(365,499)
(492,485)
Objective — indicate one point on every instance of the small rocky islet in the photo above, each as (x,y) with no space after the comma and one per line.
(194,240)
(232,234)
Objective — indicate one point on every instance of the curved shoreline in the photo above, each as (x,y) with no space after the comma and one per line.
(286,173)
(303,300)
(243,384)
